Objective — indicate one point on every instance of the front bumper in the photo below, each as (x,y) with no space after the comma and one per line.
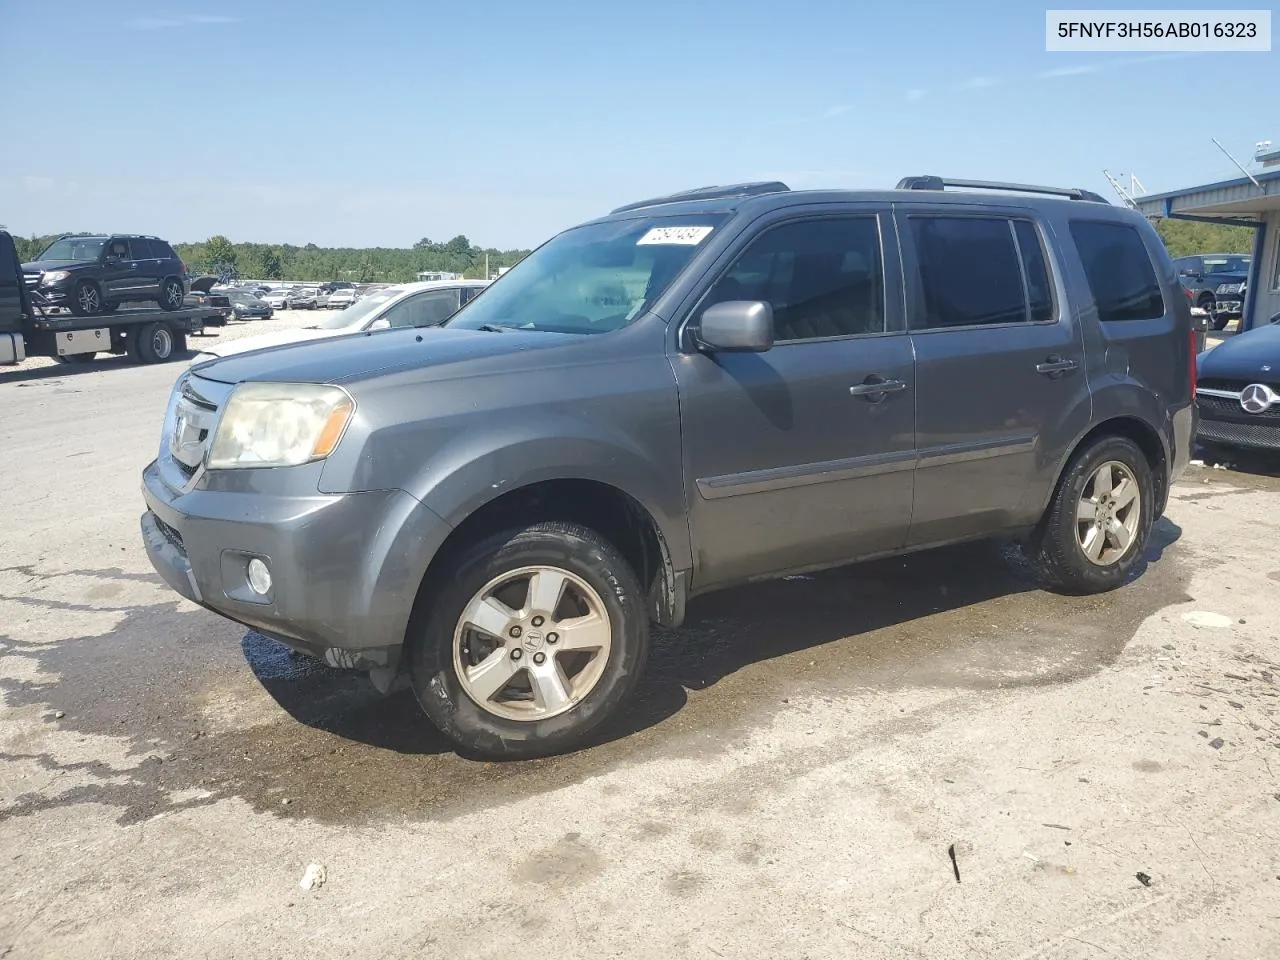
(345,568)
(1260,435)
(1231,307)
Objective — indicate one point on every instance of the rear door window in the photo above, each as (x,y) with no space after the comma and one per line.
(1118,268)
(141,248)
(971,272)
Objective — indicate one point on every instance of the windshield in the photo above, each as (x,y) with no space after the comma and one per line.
(1226,265)
(592,279)
(357,313)
(75,248)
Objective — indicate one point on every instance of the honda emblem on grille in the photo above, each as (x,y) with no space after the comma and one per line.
(1257,398)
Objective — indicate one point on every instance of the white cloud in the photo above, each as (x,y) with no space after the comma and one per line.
(186,20)
(977,83)
(38,184)
(1075,71)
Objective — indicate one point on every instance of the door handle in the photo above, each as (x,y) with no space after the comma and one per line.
(874,389)
(1055,366)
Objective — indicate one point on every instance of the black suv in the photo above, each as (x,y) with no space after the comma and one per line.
(92,275)
(1210,279)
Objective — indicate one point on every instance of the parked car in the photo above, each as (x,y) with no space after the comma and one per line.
(246,305)
(341,299)
(301,299)
(405,305)
(276,300)
(1229,301)
(93,275)
(1238,394)
(1205,275)
(201,295)
(696,391)
(322,301)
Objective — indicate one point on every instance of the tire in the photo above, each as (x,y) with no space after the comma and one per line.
(156,342)
(1057,545)
(86,299)
(1220,322)
(133,345)
(519,723)
(179,344)
(171,294)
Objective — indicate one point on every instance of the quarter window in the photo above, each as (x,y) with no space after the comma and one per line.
(1119,271)
(823,278)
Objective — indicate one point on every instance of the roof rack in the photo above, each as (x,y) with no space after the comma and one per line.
(753,189)
(940,183)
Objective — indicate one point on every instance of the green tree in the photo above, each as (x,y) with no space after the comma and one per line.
(459,246)
(220,251)
(272,265)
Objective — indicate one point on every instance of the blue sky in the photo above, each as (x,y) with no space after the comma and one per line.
(377,123)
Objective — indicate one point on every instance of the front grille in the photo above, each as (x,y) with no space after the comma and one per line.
(189,432)
(1263,436)
(1222,408)
(170,534)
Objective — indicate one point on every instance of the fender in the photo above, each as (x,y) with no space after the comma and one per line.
(1116,396)
(475,468)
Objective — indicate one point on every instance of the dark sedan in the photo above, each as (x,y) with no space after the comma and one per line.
(246,305)
(1238,394)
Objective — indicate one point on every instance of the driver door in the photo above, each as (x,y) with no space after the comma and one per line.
(119,273)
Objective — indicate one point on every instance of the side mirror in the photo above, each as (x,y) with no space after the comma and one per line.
(737,326)
(382,323)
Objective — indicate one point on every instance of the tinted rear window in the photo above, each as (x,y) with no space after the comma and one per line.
(1119,271)
(141,248)
(161,249)
(970,271)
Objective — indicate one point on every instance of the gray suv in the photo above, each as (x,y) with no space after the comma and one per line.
(696,391)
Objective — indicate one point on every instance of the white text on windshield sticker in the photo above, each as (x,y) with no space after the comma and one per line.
(681,236)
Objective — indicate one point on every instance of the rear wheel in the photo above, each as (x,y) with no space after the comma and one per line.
(1099,521)
(535,638)
(1220,321)
(171,294)
(156,342)
(86,300)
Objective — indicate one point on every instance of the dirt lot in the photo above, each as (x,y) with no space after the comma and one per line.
(799,763)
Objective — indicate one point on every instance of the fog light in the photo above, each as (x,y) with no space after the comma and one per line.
(259,577)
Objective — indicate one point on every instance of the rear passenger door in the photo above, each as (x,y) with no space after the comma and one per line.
(1000,377)
(146,265)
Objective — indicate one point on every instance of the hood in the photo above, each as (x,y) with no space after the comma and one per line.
(203,284)
(357,356)
(278,339)
(40,266)
(1242,357)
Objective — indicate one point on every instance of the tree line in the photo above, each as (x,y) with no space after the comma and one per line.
(263,261)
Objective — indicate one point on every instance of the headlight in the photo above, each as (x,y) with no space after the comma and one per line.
(53,276)
(280,425)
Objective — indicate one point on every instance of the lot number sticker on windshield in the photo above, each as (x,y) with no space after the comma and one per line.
(680,236)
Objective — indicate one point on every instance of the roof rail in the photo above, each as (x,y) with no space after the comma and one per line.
(939,183)
(753,189)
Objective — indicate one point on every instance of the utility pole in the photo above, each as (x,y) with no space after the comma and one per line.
(486,264)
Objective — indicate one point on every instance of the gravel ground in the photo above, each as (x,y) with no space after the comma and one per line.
(802,761)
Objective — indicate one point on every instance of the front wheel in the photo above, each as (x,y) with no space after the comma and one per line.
(1099,520)
(534,639)
(86,300)
(1220,321)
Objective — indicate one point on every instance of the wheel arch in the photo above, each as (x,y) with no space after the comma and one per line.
(1142,433)
(612,512)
